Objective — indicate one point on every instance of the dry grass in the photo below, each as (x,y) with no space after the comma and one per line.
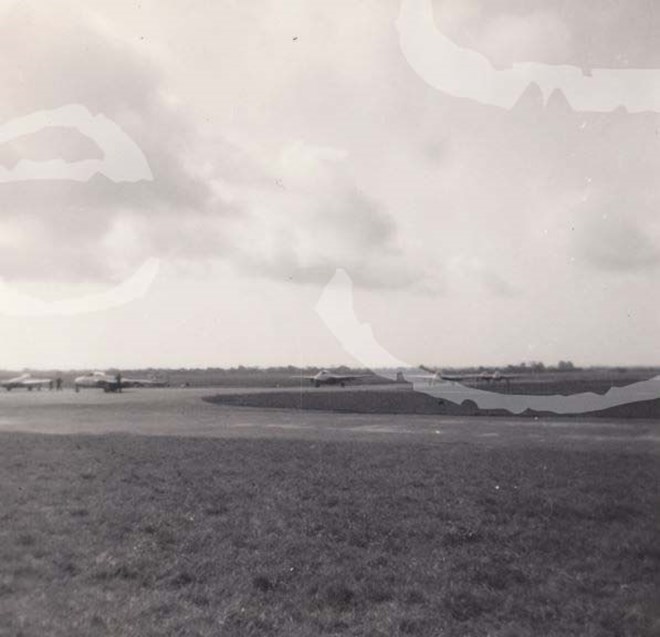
(121,535)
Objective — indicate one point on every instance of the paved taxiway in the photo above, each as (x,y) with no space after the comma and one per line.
(182,412)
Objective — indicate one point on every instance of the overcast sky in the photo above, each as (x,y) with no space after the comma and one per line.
(288,139)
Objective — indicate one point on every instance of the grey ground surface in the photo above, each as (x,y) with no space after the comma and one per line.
(154,512)
(182,412)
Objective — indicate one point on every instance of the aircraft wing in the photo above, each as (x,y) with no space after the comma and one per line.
(340,378)
(135,382)
(497,376)
(35,382)
(334,377)
(458,378)
(25,381)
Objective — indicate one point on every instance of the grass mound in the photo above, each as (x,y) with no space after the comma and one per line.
(402,400)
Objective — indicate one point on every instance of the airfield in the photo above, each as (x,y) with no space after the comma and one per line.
(299,413)
(184,511)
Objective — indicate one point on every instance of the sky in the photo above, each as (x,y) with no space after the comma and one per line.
(265,145)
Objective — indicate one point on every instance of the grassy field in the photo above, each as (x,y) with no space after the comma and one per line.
(403,400)
(123,535)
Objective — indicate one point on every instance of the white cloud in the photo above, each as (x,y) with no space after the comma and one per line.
(202,193)
(507,34)
(286,159)
(540,36)
(315,219)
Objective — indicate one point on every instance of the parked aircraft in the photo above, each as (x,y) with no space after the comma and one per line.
(25,381)
(113,382)
(144,382)
(435,376)
(98,380)
(325,377)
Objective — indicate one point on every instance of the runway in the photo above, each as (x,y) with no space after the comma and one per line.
(183,412)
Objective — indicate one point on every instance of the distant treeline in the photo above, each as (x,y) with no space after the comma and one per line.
(525,367)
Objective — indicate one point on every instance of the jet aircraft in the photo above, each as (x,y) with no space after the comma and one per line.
(435,375)
(113,382)
(98,380)
(143,382)
(25,381)
(325,377)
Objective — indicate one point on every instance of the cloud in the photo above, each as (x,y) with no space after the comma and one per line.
(614,240)
(466,271)
(64,230)
(390,180)
(298,216)
(538,36)
(506,35)
(288,159)
(316,219)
